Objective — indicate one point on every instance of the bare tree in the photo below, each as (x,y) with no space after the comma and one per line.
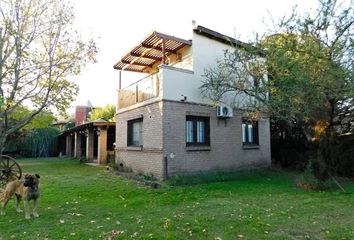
(39,51)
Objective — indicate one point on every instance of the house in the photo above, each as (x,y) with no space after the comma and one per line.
(92,141)
(165,127)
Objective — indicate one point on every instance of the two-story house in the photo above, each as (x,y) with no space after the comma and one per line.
(165,126)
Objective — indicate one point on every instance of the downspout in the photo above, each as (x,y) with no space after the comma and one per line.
(166,168)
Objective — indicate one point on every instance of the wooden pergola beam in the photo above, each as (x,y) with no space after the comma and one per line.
(135,63)
(158,48)
(131,70)
(145,56)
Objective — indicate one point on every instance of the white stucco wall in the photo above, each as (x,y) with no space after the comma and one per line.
(205,52)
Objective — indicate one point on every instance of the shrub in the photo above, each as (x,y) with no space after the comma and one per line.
(41,142)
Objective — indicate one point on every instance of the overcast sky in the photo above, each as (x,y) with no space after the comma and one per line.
(118,26)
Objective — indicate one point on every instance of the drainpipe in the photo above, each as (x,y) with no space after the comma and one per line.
(165,163)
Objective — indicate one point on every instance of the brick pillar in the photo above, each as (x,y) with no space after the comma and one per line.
(77,145)
(102,145)
(89,144)
(69,151)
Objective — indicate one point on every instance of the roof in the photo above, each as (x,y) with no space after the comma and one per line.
(206,32)
(87,126)
(150,51)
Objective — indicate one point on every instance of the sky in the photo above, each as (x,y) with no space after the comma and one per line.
(119,25)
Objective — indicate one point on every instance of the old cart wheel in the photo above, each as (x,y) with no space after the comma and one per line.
(9,169)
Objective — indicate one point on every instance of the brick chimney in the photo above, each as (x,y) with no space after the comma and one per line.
(81,113)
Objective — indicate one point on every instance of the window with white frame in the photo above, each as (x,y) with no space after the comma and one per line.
(197,130)
(249,132)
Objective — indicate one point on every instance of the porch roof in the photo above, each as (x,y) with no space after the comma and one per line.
(151,50)
(88,125)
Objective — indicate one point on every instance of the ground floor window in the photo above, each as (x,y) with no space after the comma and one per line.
(135,132)
(250,132)
(197,130)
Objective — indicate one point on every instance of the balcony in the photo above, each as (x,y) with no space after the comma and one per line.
(140,91)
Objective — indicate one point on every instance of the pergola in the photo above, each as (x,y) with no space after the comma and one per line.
(155,48)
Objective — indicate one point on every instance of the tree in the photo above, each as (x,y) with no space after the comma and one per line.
(309,62)
(36,139)
(39,51)
(107,113)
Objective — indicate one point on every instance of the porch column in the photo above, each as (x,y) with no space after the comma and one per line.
(102,146)
(77,145)
(68,150)
(89,144)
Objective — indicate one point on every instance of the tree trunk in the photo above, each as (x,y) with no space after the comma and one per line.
(2,143)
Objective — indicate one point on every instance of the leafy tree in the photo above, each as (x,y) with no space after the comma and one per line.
(107,113)
(305,77)
(41,120)
(35,139)
(39,51)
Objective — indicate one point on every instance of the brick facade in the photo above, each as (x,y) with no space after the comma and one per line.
(164,138)
(148,159)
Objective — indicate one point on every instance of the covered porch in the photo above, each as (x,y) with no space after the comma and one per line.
(156,50)
(93,141)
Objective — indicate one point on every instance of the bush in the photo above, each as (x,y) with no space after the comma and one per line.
(38,142)
(343,156)
(41,142)
(210,177)
(309,182)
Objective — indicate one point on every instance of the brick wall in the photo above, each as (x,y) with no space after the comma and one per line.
(149,159)
(164,136)
(80,115)
(226,151)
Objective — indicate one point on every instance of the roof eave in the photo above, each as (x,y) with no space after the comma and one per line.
(206,32)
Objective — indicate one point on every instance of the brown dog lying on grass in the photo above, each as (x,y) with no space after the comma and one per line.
(26,189)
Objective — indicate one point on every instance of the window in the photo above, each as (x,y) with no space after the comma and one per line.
(135,132)
(197,131)
(249,132)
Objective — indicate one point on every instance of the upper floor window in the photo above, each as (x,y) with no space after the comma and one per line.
(197,130)
(250,132)
(135,132)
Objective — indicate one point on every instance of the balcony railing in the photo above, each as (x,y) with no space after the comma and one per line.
(140,91)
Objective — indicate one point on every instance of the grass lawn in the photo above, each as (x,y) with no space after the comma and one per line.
(85,202)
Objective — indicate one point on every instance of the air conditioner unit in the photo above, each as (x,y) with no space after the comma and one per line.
(223,111)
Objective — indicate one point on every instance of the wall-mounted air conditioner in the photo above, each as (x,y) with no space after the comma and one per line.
(223,111)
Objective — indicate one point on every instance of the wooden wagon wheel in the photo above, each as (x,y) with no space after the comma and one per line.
(9,169)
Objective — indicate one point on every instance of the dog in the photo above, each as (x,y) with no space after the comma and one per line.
(26,190)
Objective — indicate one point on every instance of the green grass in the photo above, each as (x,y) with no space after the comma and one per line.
(85,202)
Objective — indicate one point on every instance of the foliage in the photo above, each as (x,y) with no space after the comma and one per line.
(39,51)
(210,177)
(69,125)
(290,147)
(97,204)
(304,77)
(307,181)
(107,113)
(36,138)
(41,120)
(40,142)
